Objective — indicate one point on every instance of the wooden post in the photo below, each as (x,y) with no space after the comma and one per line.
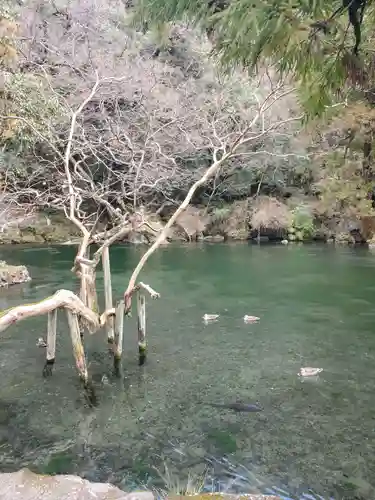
(88,290)
(79,355)
(51,343)
(108,294)
(119,335)
(142,344)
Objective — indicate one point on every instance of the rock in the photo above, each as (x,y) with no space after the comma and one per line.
(222,496)
(25,485)
(154,227)
(237,227)
(322,234)
(229,221)
(350,231)
(270,218)
(11,275)
(217,238)
(367,227)
(148,233)
(39,228)
(344,238)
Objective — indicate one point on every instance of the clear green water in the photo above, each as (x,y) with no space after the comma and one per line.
(313,438)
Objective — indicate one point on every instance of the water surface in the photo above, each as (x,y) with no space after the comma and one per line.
(313,438)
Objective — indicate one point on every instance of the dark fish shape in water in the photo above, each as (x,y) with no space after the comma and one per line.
(244,407)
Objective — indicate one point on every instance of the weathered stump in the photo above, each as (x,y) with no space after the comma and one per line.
(51,343)
(108,294)
(79,356)
(142,343)
(119,335)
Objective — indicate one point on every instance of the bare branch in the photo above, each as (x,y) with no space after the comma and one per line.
(62,298)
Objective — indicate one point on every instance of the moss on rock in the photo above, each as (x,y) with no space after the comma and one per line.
(12,275)
(41,229)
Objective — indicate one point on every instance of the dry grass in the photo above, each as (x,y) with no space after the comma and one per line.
(192,222)
(269,213)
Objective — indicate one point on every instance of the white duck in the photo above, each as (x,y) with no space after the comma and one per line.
(210,317)
(41,342)
(309,372)
(250,319)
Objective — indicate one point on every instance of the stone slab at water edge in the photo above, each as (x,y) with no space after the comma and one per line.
(25,485)
(12,275)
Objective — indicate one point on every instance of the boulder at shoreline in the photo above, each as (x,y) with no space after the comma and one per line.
(26,485)
(12,275)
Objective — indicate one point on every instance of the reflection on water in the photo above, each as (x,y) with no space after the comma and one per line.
(314,439)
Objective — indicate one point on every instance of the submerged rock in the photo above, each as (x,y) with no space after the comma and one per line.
(11,275)
(25,485)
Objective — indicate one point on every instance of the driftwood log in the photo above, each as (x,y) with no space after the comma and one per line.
(61,299)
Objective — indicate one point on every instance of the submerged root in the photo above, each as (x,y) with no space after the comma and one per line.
(48,368)
(90,393)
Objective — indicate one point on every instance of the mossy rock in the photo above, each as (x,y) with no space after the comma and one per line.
(25,485)
(30,237)
(12,275)
(11,236)
(55,235)
(217,238)
(241,234)
(52,229)
(344,238)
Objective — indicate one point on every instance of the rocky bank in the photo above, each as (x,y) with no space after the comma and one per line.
(264,219)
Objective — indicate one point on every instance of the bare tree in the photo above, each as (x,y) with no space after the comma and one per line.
(128,133)
(143,135)
(225,143)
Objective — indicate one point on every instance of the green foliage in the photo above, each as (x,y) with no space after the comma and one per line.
(302,224)
(30,105)
(27,103)
(220,214)
(343,189)
(276,32)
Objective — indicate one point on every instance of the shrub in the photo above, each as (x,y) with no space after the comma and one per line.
(220,214)
(302,224)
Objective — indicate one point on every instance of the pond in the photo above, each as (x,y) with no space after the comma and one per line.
(314,438)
